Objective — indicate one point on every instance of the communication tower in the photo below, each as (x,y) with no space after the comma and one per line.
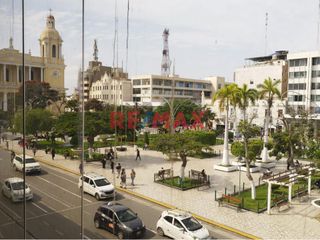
(166,63)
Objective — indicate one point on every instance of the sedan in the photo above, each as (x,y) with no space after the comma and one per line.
(13,189)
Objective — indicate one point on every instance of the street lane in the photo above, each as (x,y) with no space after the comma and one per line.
(55,209)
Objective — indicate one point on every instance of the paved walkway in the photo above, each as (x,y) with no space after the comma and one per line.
(297,223)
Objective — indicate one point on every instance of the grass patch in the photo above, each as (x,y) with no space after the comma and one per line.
(176,183)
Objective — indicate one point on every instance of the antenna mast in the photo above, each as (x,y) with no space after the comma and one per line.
(166,63)
(127,40)
(266,35)
(95,50)
(11,26)
(318,27)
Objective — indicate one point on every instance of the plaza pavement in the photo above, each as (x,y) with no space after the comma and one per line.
(299,222)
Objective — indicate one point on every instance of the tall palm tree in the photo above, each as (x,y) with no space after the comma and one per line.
(245,97)
(226,97)
(268,91)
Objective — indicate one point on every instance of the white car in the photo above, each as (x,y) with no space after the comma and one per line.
(177,224)
(97,186)
(13,189)
(31,164)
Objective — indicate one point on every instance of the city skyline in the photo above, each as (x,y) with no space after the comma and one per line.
(211,40)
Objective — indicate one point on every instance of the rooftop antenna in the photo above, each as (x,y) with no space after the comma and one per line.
(115,33)
(318,27)
(11,26)
(166,63)
(266,35)
(127,40)
(174,67)
(95,50)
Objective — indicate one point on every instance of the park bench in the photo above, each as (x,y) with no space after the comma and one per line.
(230,201)
(163,174)
(202,179)
(281,203)
(302,194)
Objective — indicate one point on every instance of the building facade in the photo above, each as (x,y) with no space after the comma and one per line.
(151,90)
(49,67)
(304,81)
(255,71)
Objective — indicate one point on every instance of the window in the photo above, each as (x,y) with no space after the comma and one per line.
(168,219)
(177,223)
(251,81)
(54,51)
(298,62)
(315,74)
(7,75)
(316,61)
(137,91)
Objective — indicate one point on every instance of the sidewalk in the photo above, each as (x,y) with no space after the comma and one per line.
(297,223)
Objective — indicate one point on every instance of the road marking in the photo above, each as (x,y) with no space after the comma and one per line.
(63,178)
(64,189)
(10,210)
(60,233)
(152,231)
(51,196)
(34,204)
(46,223)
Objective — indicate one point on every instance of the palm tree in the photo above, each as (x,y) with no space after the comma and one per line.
(268,91)
(226,97)
(245,97)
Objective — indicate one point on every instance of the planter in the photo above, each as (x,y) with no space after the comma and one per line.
(229,168)
(121,149)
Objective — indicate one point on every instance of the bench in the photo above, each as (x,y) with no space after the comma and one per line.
(198,175)
(163,174)
(281,203)
(302,194)
(230,201)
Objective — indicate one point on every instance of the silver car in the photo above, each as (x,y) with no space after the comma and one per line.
(13,189)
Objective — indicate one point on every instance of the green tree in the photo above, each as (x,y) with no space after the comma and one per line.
(38,94)
(73,105)
(226,97)
(182,144)
(37,121)
(245,97)
(268,91)
(93,104)
(249,149)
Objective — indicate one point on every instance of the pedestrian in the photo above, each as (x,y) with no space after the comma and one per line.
(104,161)
(34,150)
(123,183)
(118,167)
(138,154)
(133,176)
(112,165)
(47,150)
(7,144)
(80,168)
(53,153)
(13,154)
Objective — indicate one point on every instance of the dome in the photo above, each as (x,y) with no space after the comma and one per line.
(50,30)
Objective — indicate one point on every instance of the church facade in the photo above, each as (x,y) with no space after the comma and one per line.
(48,67)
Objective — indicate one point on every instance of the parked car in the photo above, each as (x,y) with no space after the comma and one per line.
(32,166)
(97,186)
(12,188)
(180,225)
(120,220)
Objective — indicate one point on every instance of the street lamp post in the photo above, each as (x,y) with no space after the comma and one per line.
(239,166)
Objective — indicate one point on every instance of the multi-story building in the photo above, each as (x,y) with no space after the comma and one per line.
(112,90)
(49,67)
(153,89)
(304,81)
(255,71)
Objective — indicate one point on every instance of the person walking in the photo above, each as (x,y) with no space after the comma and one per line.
(47,150)
(133,176)
(123,183)
(112,165)
(138,154)
(34,150)
(13,154)
(118,168)
(53,153)
(104,161)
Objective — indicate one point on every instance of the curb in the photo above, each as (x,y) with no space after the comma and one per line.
(203,219)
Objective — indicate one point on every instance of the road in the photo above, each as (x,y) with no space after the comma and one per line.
(55,211)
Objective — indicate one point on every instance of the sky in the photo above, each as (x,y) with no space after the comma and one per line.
(207,37)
